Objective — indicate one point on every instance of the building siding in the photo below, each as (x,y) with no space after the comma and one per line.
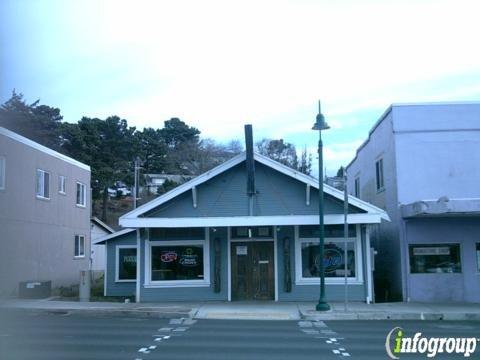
(225,195)
(38,235)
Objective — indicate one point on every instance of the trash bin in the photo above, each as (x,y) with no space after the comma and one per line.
(35,289)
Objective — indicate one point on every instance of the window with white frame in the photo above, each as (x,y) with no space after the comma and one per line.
(81,194)
(79,251)
(43,184)
(62,184)
(177,263)
(334,259)
(126,269)
(2,173)
(379,174)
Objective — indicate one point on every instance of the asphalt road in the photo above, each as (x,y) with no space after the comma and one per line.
(67,336)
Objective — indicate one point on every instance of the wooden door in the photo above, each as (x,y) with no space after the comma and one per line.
(253,275)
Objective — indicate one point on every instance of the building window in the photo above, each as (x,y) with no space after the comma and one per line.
(81,194)
(61,184)
(478,256)
(79,251)
(333,259)
(179,263)
(357,187)
(435,258)
(2,173)
(43,184)
(126,263)
(379,174)
(307,257)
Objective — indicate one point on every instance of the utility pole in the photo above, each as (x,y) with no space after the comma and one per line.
(136,181)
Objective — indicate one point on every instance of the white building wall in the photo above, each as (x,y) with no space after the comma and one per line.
(98,251)
(438,151)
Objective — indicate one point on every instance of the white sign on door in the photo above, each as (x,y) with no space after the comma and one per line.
(241,250)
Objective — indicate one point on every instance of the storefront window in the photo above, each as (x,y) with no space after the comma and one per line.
(435,258)
(127,263)
(333,259)
(478,256)
(177,262)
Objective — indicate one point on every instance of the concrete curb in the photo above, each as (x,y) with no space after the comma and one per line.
(330,315)
(152,313)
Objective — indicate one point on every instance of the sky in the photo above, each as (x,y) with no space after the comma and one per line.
(218,65)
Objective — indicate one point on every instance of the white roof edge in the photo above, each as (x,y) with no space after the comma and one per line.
(14,136)
(430,103)
(263,160)
(112,236)
(280,220)
(101,223)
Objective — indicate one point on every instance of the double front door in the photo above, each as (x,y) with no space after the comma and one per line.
(253,274)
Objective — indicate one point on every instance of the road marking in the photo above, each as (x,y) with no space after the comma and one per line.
(345,354)
(152,347)
(320,324)
(189,321)
(336,352)
(166,337)
(158,339)
(176,321)
(305,324)
(166,329)
(180,329)
(310,331)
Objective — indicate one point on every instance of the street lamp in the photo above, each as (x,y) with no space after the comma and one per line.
(320,125)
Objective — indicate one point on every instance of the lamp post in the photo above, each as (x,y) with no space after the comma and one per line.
(320,125)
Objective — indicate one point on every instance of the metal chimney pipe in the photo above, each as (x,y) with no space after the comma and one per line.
(250,163)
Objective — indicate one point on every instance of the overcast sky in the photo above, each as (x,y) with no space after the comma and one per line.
(220,64)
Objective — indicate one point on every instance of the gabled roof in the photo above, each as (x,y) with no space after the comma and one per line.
(128,220)
(101,224)
(103,239)
(21,139)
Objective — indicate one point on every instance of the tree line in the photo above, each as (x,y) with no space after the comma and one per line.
(110,146)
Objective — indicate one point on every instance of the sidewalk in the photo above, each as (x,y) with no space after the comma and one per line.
(254,310)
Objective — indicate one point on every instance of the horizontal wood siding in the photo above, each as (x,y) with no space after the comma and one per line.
(226,195)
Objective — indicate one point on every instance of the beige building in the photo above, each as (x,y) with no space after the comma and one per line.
(44,214)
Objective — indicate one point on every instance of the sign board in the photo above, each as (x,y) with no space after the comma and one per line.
(241,250)
(443,250)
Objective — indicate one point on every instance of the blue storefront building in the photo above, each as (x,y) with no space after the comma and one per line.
(209,239)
